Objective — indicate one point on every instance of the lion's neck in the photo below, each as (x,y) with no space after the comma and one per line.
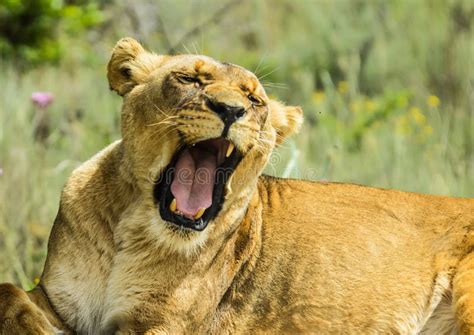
(118,185)
(196,284)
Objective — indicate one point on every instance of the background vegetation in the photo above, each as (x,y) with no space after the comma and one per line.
(387,89)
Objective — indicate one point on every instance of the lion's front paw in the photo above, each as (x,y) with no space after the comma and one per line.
(18,315)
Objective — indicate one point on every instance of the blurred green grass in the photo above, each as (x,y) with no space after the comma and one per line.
(388,102)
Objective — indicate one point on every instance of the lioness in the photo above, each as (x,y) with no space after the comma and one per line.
(174,229)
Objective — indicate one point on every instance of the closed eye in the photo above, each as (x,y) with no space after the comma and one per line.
(188,79)
(256,101)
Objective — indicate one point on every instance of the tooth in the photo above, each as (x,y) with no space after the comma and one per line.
(173,206)
(230,149)
(229,185)
(199,213)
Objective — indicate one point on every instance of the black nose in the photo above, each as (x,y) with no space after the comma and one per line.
(228,114)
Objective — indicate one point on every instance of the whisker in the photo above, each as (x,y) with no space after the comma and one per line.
(242,126)
(164,121)
(265,132)
(266,66)
(165,134)
(260,62)
(161,111)
(186,49)
(162,129)
(202,42)
(275,85)
(195,49)
(265,142)
(269,73)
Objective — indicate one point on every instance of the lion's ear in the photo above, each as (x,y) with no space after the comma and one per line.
(286,120)
(129,65)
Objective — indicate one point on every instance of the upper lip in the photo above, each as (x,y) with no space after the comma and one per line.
(227,158)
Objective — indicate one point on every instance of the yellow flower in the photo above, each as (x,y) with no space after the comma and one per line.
(318,96)
(403,126)
(417,115)
(424,133)
(355,106)
(370,105)
(427,130)
(342,87)
(36,280)
(433,101)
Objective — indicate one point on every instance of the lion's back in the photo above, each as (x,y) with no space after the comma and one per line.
(331,246)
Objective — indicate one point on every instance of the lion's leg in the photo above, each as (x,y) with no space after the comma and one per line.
(38,296)
(463,289)
(25,313)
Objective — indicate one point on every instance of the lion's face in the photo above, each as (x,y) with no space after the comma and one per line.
(197,132)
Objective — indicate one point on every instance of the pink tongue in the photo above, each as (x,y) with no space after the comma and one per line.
(193,181)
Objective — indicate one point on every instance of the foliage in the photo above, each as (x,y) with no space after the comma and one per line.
(30,29)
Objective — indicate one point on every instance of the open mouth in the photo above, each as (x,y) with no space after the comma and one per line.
(191,190)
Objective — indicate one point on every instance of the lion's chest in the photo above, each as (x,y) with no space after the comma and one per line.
(78,294)
(92,300)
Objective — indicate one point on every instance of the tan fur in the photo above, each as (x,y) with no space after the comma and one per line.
(282,256)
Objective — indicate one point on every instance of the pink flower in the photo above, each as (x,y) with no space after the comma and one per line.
(42,99)
(1,172)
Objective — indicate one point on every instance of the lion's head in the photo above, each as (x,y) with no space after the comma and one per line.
(196,132)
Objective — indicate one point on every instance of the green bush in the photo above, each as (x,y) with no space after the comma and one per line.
(31,30)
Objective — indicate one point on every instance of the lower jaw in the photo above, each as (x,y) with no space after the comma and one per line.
(180,221)
(163,197)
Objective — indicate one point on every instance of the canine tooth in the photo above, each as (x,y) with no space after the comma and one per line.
(199,213)
(173,206)
(230,149)
(229,185)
